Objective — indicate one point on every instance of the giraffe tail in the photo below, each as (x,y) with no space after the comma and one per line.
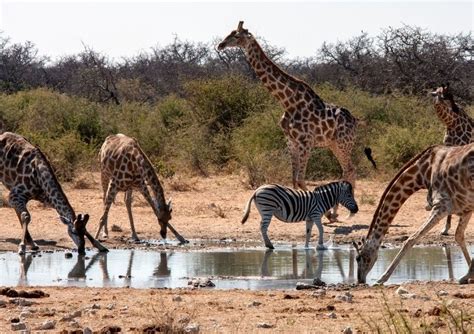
(247,209)
(368,154)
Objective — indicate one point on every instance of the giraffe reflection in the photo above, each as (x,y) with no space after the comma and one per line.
(312,257)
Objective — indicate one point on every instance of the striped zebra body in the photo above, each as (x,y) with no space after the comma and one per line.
(291,206)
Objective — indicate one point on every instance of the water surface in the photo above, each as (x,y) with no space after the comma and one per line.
(253,268)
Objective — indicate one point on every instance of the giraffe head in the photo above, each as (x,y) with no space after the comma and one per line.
(366,257)
(442,93)
(237,38)
(164,217)
(77,231)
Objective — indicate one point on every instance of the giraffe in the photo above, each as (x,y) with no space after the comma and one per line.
(307,121)
(459,126)
(27,174)
(124,167)
(448,174)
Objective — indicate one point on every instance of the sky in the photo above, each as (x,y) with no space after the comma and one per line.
(125,28)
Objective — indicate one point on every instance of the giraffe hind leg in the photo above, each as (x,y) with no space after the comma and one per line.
(128,203)
(18,202)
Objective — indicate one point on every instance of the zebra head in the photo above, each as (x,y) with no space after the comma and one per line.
(346,197)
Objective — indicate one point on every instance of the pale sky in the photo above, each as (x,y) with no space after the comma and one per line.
(126,28)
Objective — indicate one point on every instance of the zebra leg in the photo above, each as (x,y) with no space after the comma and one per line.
(263,229)
(309,228)
(319,225)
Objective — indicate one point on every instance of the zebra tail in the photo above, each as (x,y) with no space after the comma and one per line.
(247,209)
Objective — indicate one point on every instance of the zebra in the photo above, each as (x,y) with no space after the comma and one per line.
(291,206)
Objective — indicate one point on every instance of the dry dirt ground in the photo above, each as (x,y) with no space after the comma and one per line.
(211,208)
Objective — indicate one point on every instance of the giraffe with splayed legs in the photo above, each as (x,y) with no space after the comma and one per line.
(459,126)
(124,167)
(308,121)
(27,174)
(448,174)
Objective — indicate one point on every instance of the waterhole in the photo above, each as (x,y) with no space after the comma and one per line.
(252,268)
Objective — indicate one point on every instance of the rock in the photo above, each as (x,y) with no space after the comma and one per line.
(74,324)
(68,255)
(177,298)
(332,315)
(95,307)
(184,320)
(435,311)
(25,314)
(254,303)
(287,296)
(86,330)
(401,291)
(192,328)
(116,228)
(21,302)
(71,316)
(318,282)
(442,293)
(347,330)
(264,325)
(331,308)
(47,325)
(345,297)
(318,293)
(201,283)
(14,320)
(110,307)
(3,303)
(305,286)
(18,326)
(110,330)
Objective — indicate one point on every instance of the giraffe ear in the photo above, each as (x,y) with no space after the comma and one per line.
(240,26)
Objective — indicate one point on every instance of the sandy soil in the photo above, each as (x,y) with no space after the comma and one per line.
(211,208)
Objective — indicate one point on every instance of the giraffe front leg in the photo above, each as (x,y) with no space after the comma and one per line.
(264,229)
(109,199)
(303,156)
(437,213)
(459,236)
(294,153)
(128,204)
(447,226)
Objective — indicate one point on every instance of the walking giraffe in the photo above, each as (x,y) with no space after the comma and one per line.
(448,174)
(27,174)
(124,167)
(459,126)
(308,121)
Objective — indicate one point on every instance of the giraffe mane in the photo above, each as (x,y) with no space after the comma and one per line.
(392,182)
(285,73)
(55,179)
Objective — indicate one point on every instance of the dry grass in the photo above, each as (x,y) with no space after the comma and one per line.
(84,181)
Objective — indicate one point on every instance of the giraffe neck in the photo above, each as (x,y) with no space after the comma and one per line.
(279,83)
(55,196)
(411,178)
(446,113)
(151,178)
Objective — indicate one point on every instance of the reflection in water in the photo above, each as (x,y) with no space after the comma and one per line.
(229,268)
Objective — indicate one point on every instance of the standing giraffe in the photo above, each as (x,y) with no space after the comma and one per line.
(448,174)
(27,174)
(308,121)
(459,126)
(124,166)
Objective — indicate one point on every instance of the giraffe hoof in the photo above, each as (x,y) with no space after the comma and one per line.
(22,250)
(34,247)
(321,247)
(270,246)
(445,233)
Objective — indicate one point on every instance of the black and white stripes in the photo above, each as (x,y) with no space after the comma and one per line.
(290,206)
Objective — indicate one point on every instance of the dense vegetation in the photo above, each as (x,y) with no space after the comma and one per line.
(195,110)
